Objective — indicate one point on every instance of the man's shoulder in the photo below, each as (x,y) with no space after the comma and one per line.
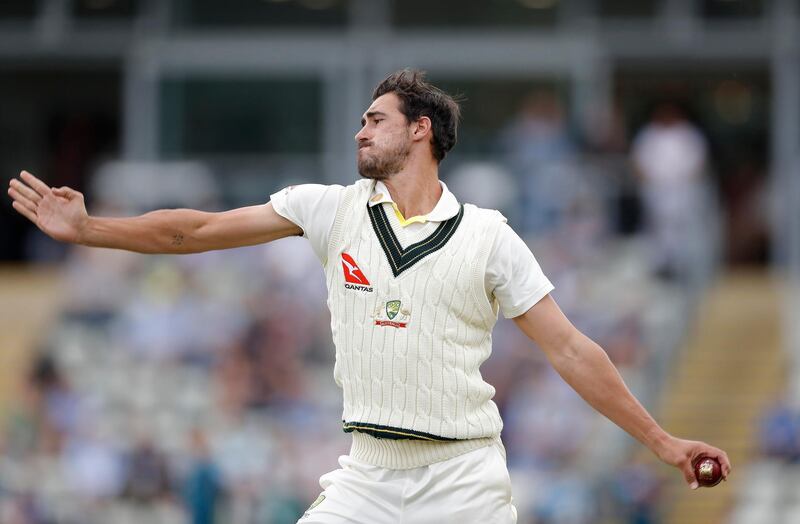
(483,214)
(358,186)
(358,191)
(363,185)
(313,190)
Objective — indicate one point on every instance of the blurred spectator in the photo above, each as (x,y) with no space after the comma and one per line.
(172,314)
(202,488)
(539,150)
(488,185)
(539,133)
(245,454)
(780,432)
(565,498)
(52,411)
(93,466)
(635,489)
(21,509)
(545,434)
(264,368)
(670,155)
(147,477)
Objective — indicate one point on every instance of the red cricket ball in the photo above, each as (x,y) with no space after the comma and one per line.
(707,471)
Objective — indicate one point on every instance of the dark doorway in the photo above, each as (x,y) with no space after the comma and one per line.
(57,122)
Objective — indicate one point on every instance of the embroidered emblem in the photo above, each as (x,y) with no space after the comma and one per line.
(392,314)
(392,308)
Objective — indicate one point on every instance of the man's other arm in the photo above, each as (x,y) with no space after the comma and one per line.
(587,369)
(61,214)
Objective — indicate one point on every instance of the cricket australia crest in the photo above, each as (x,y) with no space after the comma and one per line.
(392,309)
(393,314)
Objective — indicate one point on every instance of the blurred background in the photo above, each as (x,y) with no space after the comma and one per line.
(647,151)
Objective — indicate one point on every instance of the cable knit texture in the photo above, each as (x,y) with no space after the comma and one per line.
(413,365)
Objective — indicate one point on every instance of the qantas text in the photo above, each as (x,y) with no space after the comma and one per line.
(358,287)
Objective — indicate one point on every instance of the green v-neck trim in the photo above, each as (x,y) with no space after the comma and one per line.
(402,259)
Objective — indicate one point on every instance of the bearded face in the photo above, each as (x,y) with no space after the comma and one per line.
(379,159)
(385,140)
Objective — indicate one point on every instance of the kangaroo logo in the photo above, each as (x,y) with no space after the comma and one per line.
(353,273)
(354,278)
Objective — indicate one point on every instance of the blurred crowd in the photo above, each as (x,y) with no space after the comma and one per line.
(199,388)
(769,492)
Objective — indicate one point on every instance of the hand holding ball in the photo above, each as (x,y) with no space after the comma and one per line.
(707,471)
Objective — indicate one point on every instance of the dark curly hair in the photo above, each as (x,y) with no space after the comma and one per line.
(419,98)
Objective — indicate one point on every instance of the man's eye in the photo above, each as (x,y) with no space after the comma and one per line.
(378,121)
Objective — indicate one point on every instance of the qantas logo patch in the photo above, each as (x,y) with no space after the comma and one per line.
(353,276)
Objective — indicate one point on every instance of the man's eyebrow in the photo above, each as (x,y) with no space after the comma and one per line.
(371,114)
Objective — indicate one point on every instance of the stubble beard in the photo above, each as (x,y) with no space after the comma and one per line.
(384,166)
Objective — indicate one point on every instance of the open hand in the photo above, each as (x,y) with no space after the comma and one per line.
(60,213)
(683,453)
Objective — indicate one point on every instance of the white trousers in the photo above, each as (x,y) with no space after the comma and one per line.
(471,488)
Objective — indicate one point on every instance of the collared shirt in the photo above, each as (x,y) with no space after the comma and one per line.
(446,208)
(513,276)
(414,229)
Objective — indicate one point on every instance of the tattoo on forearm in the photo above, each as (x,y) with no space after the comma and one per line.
(177,239)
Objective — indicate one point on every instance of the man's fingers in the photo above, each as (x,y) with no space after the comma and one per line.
(22,199)
(65,192)
(37,185)
(688,474)
(24,211)
(25,190)
(722,458)
(726,464)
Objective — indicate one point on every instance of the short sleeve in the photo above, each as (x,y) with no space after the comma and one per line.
(513,275)
(312,207)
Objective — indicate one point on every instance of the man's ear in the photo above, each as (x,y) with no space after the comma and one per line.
(422,128)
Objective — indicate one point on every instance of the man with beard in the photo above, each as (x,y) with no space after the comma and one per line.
(415,282)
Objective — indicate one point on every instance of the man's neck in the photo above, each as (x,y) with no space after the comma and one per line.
(416,192)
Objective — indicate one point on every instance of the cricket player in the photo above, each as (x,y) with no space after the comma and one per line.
(415,283)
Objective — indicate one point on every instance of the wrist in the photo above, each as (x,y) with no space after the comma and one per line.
(658,441)
(83,231)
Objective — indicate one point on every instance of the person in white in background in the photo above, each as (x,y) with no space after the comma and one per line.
(670,156)
(413,302)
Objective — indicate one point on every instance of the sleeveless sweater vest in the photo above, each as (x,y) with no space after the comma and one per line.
(411,327)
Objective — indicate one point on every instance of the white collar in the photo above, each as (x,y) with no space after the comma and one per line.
(447,207)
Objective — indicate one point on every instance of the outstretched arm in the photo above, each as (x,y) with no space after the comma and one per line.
(586,367)
(61,214)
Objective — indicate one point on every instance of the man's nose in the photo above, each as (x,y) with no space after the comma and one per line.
(361,135)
